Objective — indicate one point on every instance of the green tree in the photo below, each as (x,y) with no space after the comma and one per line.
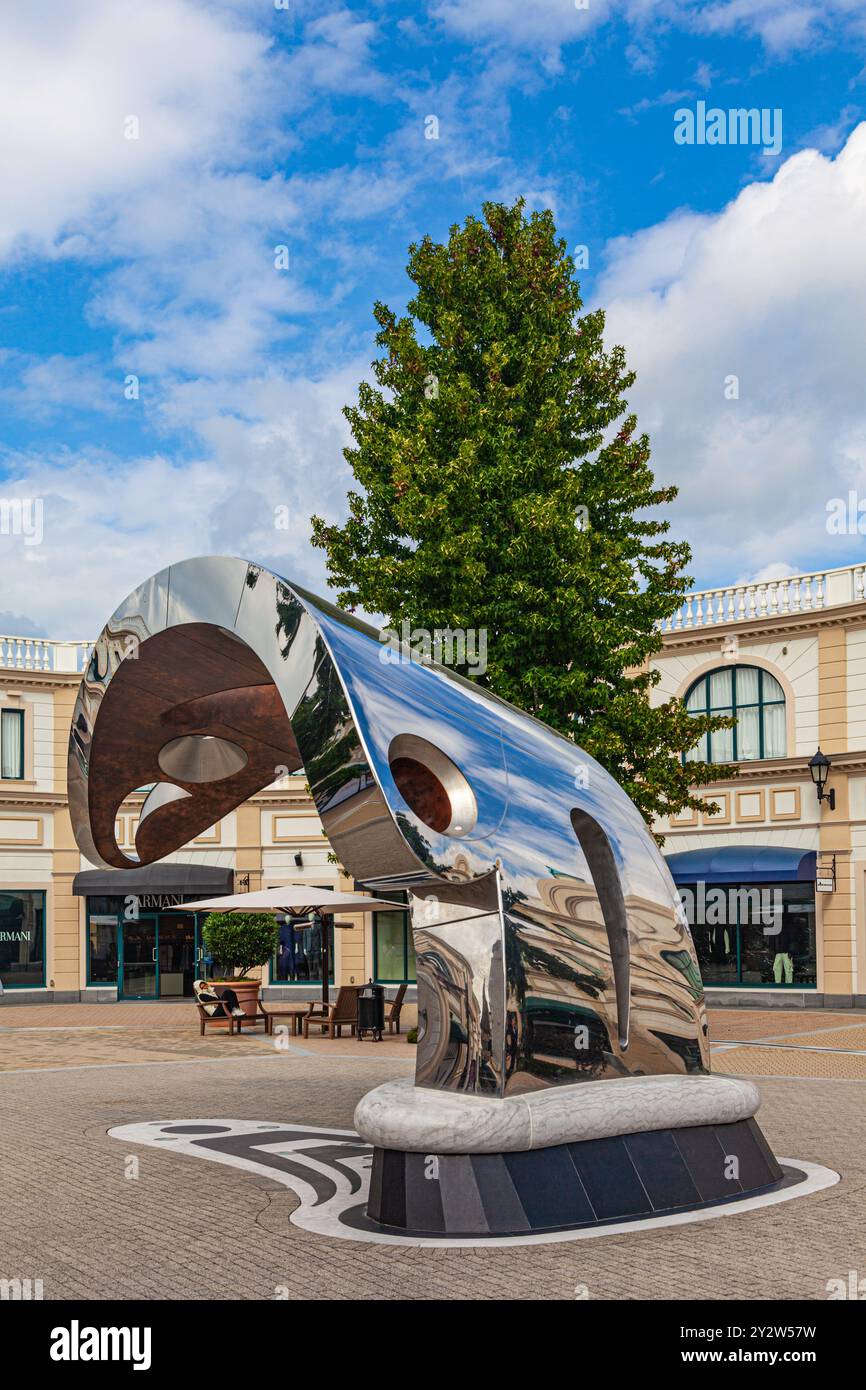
(240,940)
(499,493)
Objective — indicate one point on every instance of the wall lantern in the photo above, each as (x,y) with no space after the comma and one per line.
(299,860)
(819,767)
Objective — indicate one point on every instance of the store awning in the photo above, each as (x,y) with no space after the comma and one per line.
(746,864)
(191,880)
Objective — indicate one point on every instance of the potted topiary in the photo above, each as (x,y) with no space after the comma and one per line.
(239,941)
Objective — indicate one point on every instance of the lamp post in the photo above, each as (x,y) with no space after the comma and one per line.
(819,768)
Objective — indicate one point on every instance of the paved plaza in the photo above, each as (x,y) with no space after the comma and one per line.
(95,1218)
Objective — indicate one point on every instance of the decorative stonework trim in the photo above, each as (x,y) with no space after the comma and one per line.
(747,817)
(851,615)
(777,792)
(417,1119)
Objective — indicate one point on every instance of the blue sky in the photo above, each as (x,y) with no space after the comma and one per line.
(304,126)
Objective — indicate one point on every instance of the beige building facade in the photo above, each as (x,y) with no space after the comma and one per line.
(788,660)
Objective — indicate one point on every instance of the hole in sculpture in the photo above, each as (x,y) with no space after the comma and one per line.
(201,758)
(432,785)
(605,876)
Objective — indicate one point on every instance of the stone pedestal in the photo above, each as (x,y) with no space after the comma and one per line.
(569,1157)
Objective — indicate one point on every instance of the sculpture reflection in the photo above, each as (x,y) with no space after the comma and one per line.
(550,943)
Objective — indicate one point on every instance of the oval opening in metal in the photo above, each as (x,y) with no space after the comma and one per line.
(201,758)
(432,785)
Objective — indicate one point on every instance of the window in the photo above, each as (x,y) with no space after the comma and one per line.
(299,953)
(22,938)
(393,947)
(753,934)
(756,700)
(12,744)
(103,915)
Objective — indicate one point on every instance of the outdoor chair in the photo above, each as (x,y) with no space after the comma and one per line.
(260,1016)
(204,1018)
(235,1023)
(333,1017)
(392,1009)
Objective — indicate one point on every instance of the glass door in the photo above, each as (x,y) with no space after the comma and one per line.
(177,955)
(139,968)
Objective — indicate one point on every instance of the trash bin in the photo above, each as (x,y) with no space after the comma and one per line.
(371,1011)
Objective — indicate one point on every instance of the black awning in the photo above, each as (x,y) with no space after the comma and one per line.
(191,880)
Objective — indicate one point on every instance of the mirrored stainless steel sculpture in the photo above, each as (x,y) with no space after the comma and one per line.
(551,947)
(550,943)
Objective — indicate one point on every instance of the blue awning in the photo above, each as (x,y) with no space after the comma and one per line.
(746,864)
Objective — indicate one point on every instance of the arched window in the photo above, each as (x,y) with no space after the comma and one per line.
(757,701)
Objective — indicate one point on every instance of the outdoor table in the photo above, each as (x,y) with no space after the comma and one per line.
(295,1014)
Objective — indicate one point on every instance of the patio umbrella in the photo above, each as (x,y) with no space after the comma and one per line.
(295,900)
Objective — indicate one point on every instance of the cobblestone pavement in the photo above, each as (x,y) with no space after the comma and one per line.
(74,1219)
(751,1024)
(37,1036)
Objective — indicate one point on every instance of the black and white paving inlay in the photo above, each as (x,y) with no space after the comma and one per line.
(329,1172)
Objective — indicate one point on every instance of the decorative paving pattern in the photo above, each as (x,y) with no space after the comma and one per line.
(733,1025)
(790,1061)
(844,1039)
(329,1170)
(23,1050)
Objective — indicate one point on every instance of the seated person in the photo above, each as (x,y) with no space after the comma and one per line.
(217,1005)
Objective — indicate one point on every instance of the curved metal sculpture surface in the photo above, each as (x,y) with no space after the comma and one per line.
(550,942)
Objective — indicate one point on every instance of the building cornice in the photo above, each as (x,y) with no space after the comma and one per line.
(775,769)
(12,678)
(31,800)
(800,624)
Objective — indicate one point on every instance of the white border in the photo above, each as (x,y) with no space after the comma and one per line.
(324,1219)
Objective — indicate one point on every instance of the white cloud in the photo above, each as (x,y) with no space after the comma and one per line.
(70,76)
(547,25)
(772,291)
(109,522)
(45,386)
(544,24)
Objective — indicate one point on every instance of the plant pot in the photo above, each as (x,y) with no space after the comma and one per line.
(247,991)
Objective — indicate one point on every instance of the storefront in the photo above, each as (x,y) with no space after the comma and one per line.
(752,915)
(22,938)
(135,941)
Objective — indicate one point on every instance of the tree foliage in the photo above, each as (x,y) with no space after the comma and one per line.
(505,487)
(240,940)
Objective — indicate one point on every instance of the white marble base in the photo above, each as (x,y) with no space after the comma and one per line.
(415,1119)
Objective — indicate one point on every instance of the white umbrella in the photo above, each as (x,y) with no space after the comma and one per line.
(296,900)
(292,898)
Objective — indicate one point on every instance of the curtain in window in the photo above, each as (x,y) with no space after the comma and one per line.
(748,733)
(747,685)
(721,692)
(697,701)
(698,754)
(11,753)
(774,731)
(723,746)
